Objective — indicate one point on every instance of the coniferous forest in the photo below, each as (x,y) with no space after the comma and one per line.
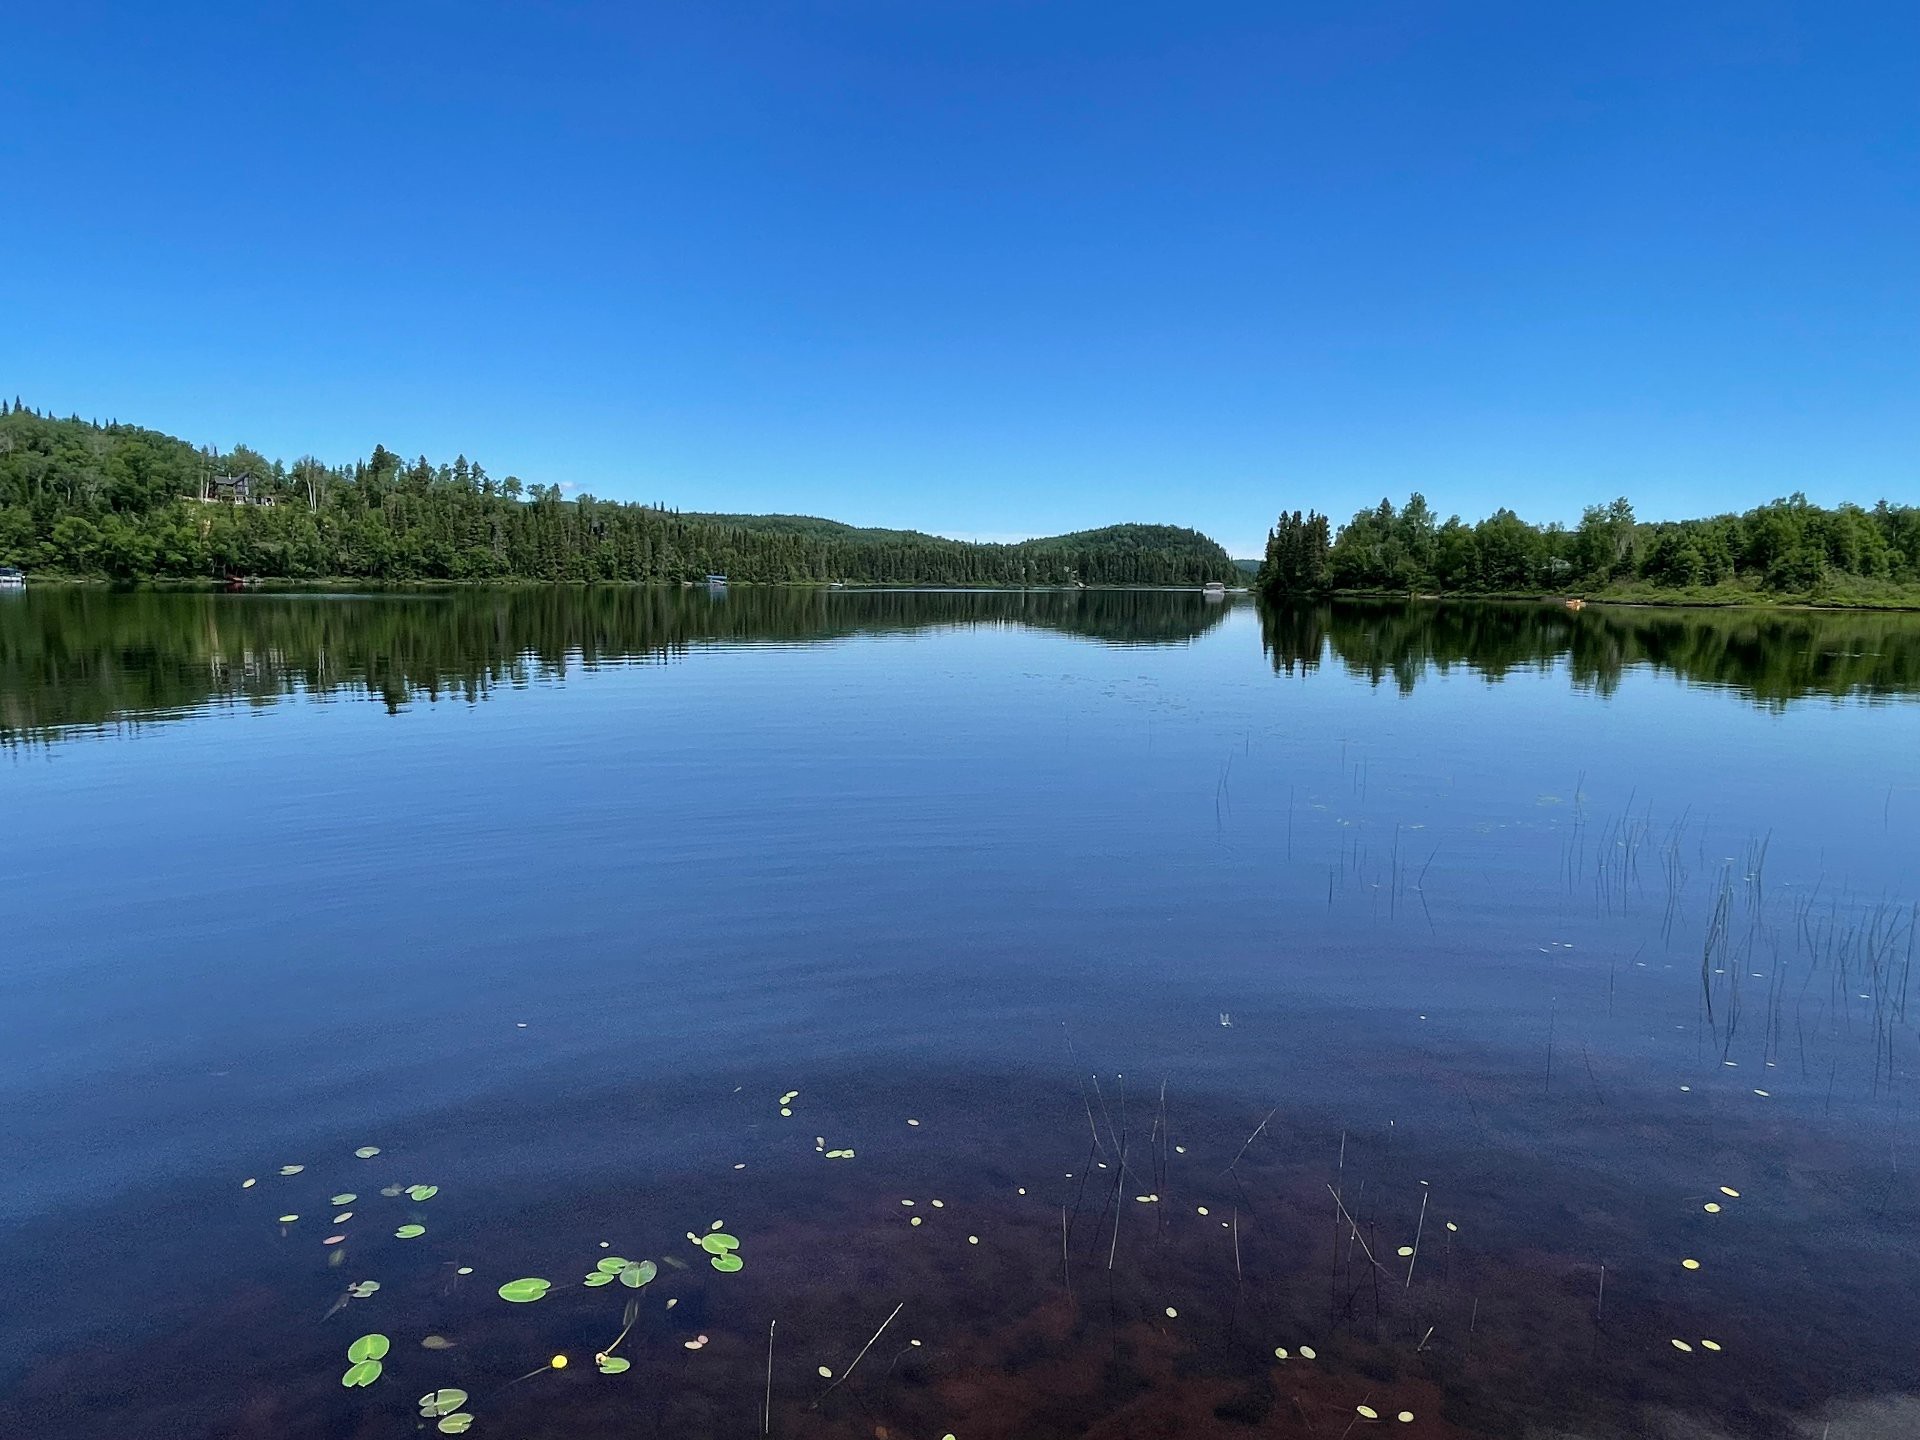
(79,498)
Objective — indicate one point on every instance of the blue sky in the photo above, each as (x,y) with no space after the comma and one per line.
(989,268)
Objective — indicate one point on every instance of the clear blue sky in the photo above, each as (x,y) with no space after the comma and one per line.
(990,268)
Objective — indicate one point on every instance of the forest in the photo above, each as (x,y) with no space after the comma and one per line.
(1788,549)
(80,498)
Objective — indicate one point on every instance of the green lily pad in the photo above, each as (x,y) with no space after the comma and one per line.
(525,1292)
(423,1192)
(409,1232)
(346,1198)
(615,1365)
(634,1276)
(363,1373)
(369,1347)
(456,1424)
(599,1278)
(613,1265)
(367,1152)
(291,1169)
(726,1263)
(436,1403)
(361,1289)
(718,1244)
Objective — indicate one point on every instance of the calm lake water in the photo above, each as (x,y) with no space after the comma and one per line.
(1267,1016)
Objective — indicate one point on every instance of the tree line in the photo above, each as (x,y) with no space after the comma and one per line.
(82,498)
(1787,548)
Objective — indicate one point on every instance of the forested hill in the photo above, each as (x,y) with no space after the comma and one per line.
(85,499)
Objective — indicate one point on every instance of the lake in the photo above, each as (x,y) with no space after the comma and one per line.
(1104,1013)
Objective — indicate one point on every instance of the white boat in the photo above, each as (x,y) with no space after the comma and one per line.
(1215,590)
(12,578)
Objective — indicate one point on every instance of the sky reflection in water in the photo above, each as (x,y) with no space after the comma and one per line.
(552,894)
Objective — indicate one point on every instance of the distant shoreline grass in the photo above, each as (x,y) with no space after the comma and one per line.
(1888,597)
(1871,596)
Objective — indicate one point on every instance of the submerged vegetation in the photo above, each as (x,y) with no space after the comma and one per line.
(115,501)
(1288,1274)
(1788,550)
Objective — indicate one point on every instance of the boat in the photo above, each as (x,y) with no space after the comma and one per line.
(12,577)
(1215,590)
(718,582)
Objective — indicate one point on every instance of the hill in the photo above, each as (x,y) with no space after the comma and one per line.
(118,501)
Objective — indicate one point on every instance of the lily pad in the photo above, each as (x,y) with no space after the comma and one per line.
(409,1232)
(613,1264)
(718,1243)
(369,1347)
(726,1264)
(291,1169)
(367,1152)
(615,1365)
(436,1403)
(362,1373)
(346,1197)
(599,1278)
(436,1342)
(456,1424)
(361,1289)
(525,1292)
(423,1192)
(634,1276)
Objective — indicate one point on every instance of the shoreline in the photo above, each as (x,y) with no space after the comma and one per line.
(1894,605)
(342,584)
